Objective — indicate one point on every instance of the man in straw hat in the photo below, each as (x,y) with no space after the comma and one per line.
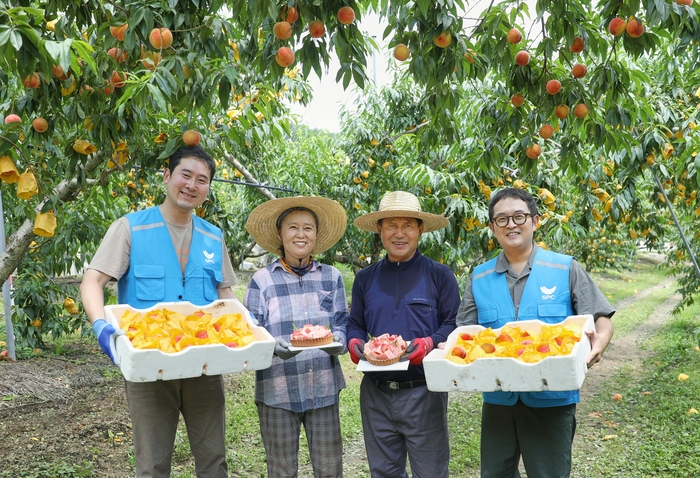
(410,295)
(526,282)
(301,387)
(167,254)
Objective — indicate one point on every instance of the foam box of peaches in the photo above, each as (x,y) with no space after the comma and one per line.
(150,365)
(564,372)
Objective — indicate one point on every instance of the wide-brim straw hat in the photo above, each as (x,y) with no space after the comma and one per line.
(400,204)
(332,221)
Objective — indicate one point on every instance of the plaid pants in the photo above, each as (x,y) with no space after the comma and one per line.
(280,430)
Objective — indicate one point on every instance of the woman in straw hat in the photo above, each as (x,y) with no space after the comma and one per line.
(407,294)
(301,387)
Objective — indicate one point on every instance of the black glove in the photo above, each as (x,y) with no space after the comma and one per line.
(282,349)
(336,349)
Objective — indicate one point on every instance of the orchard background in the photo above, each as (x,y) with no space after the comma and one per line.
(477,102)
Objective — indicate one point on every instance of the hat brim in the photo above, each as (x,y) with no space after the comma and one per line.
(332,221)
(431,222)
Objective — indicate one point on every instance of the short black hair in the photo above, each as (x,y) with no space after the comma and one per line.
(513,193)
(195,152)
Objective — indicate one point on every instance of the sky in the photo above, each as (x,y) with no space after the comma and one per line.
(329,96)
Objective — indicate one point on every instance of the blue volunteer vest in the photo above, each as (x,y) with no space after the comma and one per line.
(546,297)
(154,273)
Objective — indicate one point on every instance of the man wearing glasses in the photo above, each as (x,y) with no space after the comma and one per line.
(525,282)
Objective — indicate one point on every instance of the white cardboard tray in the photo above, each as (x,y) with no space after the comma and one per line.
(509,374)
(331,345)
(149,365)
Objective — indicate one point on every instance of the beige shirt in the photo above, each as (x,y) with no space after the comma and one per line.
(112,257)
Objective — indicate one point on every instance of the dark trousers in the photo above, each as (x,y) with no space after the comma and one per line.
(543,436)
(410,421)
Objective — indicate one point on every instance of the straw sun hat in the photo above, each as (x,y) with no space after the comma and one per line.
(332,220)
(400,204)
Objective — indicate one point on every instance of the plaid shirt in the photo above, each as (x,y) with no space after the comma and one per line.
(281,302)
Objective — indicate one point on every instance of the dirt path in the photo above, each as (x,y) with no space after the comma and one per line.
(627,351)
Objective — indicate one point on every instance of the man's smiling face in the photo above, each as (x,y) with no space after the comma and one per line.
(400,237)
(513,237)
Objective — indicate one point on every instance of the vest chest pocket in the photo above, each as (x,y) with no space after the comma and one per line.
(488,318)
(150,282)
(325,300)
(552,310)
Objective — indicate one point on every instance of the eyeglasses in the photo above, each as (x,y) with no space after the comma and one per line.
(518,219)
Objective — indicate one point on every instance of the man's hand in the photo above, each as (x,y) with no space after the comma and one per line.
(600,338)
(336,349)
(107,338)
(419,348)
(282,349)
(356,346)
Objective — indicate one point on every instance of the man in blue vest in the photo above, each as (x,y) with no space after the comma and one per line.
(167,254)
(525,282)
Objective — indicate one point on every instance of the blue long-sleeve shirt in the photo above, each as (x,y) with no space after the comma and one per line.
(417,298)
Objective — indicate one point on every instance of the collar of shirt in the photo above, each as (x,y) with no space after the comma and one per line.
(502,264)
(403,265)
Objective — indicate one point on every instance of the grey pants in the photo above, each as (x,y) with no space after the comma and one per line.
(155,409)
(410,421)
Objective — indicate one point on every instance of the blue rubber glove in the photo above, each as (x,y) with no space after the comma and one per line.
(419,348)
(336,349)
(282,349)
(253,319)
(107,338)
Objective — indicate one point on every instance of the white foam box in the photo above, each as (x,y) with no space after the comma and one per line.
(149,365)
(508,374)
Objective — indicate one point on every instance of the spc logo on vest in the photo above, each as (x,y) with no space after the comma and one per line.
(208,257)
(548,293)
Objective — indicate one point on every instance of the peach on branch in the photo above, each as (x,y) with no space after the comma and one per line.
(401,52)
(533,151)
(522,58)
(13,118)
(32,81)
(443,40)
(579,70)
(282,30)
(617,26)
(289,14)
(284,57)
(108,88)
(317,29)
(191,137)
(517,100)
(561,111)
(546,131)
(118,31)
(470,55)
(514,36)
(346,15)
(118,54)
(684,2)
(578,45)
(160,38)
(40,125)
(634,28)
(553,87)
(118,79)
(581,110)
